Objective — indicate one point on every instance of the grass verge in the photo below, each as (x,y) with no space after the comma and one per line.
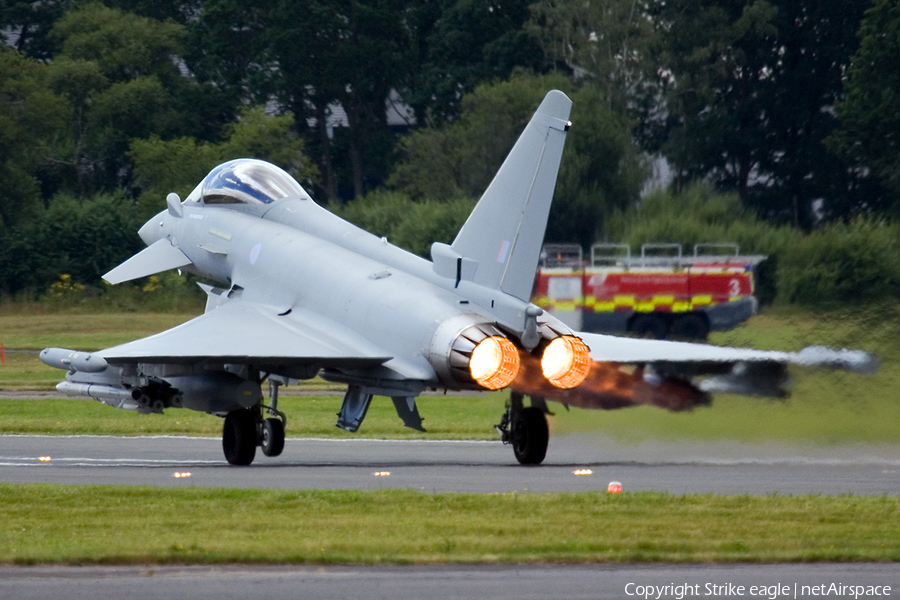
(25,335)
(445,417)
(825,407)
(119,524)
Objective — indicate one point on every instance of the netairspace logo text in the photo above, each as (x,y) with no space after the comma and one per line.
(770,592)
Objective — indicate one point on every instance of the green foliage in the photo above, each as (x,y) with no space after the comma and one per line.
(462,157)
(178,165)
(600,170)
(854,263)
(849,263)
(125,110)
(870,112)
(83,238)
(105,524)
(129,96)
(166,292)
(411,225)
(124,45)
(123,75)
(30,117)
(310,55)
(607,44)
(751,88)
(463,44)
(29,23)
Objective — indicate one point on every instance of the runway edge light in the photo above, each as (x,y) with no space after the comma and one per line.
(614,487)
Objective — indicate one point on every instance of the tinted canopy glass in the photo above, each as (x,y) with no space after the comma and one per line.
(248,181)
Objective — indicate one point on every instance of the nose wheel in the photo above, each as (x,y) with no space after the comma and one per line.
(272,437)
(525,429)
(271,432)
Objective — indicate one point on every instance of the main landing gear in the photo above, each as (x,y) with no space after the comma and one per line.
(247,428)
(525,429)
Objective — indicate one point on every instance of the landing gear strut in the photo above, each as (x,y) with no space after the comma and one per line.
(271,438)
(525,429)
(246,428)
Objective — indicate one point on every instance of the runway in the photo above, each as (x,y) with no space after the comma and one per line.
(574,463)
(459,582)
(445,466)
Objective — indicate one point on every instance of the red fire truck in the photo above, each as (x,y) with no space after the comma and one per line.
(659,294)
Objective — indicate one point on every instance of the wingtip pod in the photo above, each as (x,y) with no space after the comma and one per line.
(851,360)
(73,360)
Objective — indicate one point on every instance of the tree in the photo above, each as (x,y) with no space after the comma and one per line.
(180,11)
(121,73)
(817,41)
(406,223)
(751,92)
(31,116)
(178,165)
(869,134)
(718,53)
(80,237)
(460,158)
(600,171)
(606,43)
(465,44)
(322,61)
(27,25)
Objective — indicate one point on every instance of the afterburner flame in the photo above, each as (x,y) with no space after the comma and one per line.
(609,386)
(566,362)
(494,363)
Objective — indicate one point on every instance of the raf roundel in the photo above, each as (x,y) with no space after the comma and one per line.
(466,319)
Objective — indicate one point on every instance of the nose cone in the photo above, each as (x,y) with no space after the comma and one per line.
(152,231)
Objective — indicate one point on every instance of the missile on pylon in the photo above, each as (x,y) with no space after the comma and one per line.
(129,399)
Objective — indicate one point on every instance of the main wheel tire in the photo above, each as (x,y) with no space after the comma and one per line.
(530,436)
(690,327)
(272,442)
(239,437)
(649,326)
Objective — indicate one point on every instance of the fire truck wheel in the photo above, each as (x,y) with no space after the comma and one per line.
(649,326)
(690,327)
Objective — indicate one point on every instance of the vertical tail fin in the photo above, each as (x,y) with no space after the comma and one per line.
(504,233)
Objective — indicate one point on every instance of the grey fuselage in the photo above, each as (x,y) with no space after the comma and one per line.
(294,254)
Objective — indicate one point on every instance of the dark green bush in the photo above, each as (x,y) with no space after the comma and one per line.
(839,263)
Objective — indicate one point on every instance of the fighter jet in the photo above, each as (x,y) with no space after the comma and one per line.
(301,293)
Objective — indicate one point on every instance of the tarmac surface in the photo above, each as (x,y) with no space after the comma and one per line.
(465,582)
(439,466)
(574,463)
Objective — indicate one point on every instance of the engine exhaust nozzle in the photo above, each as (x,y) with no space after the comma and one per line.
(566,361)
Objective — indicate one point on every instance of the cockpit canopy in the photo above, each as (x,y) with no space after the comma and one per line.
(246,181)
